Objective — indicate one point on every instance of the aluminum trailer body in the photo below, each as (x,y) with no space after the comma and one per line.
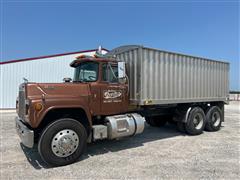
(161,77)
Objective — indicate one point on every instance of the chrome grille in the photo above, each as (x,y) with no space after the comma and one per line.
(21,101)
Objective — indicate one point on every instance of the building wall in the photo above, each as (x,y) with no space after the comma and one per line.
(50,69)
(234,97)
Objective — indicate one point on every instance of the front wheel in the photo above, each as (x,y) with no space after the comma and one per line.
(62,142)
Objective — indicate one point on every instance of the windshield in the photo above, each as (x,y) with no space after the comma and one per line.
(86,72)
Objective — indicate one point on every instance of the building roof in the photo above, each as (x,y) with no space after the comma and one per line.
(48,56)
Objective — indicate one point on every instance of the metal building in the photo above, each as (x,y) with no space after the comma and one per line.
(52,68)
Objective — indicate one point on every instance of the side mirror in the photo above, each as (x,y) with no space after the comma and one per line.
(67,79)
(121,70)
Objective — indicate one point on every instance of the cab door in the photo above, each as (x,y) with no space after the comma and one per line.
(88,72)
(114,95)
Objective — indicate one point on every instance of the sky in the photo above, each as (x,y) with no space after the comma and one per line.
(206,29)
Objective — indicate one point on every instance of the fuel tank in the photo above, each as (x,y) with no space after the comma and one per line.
(124,125)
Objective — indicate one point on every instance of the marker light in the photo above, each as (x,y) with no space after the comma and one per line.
(81,56)
(38,107)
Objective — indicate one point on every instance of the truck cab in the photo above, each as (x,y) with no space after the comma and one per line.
(62,117)
(108,92)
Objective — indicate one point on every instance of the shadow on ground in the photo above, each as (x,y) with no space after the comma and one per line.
(105,146)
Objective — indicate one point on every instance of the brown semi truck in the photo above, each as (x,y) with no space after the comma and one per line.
(112,96)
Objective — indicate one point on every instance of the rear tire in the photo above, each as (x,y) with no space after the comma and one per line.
(214,118)
(62,134)
(196,121)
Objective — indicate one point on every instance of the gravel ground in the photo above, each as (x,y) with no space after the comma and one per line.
(157,153)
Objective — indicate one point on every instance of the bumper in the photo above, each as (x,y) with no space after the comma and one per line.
(26,135)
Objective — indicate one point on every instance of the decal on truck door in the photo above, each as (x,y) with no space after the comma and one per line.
(112,96)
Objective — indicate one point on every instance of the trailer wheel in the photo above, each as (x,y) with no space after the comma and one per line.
(196,121)
(214,118)
(156,121)
(62,142)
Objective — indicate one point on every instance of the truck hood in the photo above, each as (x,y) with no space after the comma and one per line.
(53,90)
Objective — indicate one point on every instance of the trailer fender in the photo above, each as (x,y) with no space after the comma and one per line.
(187,114)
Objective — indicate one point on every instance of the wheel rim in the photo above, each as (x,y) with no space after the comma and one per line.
(65,143)
(216,119)
(198,121)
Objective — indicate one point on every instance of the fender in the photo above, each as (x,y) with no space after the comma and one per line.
(37,119)
(187,114)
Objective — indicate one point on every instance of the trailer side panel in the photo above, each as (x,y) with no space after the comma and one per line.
(161,77)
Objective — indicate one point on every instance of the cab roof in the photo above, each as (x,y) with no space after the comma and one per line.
(76,62)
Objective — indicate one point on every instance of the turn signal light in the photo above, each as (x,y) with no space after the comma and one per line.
(38,107)
(81,56)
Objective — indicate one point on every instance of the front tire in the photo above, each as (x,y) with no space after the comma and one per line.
(62,142)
